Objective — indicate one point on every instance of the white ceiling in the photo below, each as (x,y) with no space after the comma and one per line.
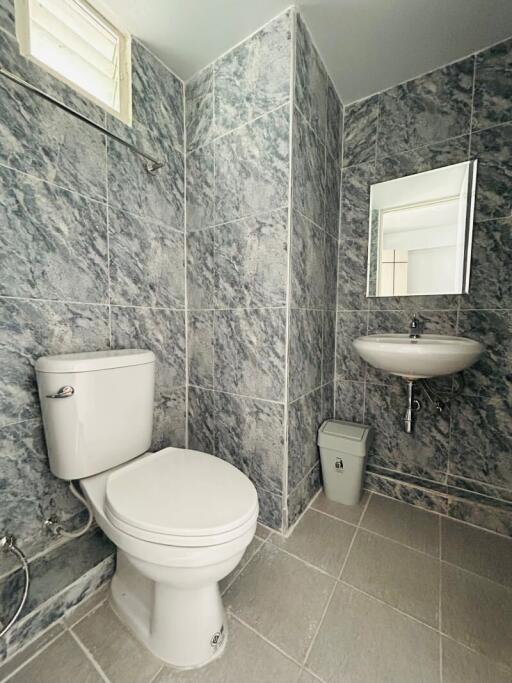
(367,45)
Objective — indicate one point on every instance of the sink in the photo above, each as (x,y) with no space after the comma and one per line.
(430,355)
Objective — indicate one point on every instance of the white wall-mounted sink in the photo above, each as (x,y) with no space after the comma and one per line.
(430,355)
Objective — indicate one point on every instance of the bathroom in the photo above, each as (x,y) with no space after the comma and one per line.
(214,215)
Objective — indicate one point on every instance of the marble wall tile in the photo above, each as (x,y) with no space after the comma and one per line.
(328,401)
(360,131)
(147,262)
(304,418)
(331,271)
(254,77)
(271,509)
(485,516)
(334,133)
(199,98)
(352,264)
(414,495)
(308,171)
(492,374)
(53,242)
(355,201)
(299,498)
(304,352)
(493,149)
(481,439)
(159,330)
(250,435)
(200,269)
(201,420)
(350,325)
(308,271)
(490,283)
(493,89)
(328,346)
(7,16)
(169,419)
(432,107)
(251,261)
(332,195)
(310,80)
(250,351)
(350,401)
(200,348)
(31,329)
(200,188)
(251,167)
(479,491)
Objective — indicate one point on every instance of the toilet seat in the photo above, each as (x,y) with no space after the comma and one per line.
(182,498)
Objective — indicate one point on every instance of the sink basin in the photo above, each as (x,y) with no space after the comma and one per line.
(431,355)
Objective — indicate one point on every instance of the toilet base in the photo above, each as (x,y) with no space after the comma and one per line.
(183,626)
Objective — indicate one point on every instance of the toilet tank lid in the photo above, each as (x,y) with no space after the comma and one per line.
(94,360)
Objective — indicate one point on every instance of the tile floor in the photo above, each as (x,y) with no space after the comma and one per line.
(380,593)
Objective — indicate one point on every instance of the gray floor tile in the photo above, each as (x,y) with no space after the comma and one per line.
(120,655)
(62,662)
(461,665)
(306,677)
(87,606)
(347,513)
(29,651)
(363,641)
(477,612)
(320,540)
(250,551)
(281,597)
(404,523)
(477,550)
(247,659)
(404,578)
(263,531)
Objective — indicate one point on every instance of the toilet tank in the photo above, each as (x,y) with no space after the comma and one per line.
(97,409)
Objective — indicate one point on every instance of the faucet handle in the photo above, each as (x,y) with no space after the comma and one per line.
(415,326)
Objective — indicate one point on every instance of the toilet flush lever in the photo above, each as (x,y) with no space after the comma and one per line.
(63,392)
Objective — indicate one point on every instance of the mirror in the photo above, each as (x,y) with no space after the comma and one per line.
(420,232)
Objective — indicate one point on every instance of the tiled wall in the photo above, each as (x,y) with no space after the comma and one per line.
(459,462)
(316,158)
(92,257)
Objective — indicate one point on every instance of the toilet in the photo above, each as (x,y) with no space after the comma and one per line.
(181,519)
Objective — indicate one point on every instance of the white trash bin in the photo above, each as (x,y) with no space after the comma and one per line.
(343,454)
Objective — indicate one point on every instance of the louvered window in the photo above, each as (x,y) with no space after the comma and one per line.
(71,40)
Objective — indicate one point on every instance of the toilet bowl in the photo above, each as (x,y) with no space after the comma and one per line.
(181,519)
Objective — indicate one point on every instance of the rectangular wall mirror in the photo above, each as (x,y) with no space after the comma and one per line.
(420,233)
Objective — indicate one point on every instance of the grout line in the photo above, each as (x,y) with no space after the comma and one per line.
(240,567)
(89,656)
(35,654)
(260,635)
(153,679)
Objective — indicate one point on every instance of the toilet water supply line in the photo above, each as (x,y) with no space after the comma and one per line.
(8,544)
(53,524)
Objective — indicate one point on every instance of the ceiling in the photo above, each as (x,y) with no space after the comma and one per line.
(367,45)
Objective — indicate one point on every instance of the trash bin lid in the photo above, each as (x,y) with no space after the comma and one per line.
(345,437)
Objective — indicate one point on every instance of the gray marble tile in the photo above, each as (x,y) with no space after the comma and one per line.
(250,435)
(251,261)
(332,195)
(328,346)
(414,495)
(251,167)
(200,269)
(249,352)
(200,188)
(300,497)
(158,196)
(169,420)
(355,201)
(201,420)
(254,77)
(432,107)
(328,401)
(477,490)
(403,650)
(271,509)
(160,330)
(31,329)
(7,16)
(308,171)
(486,516)
(200,348)
(490,284)
(352,266)
(331,271)
(310,80)
(53,242)
(32,648)
(304,418)
(411,304)
(307,263)
(305,351)
(481,439)
(492,374)
(349,401)
(461,665)
(200,108)
(493,149)
(493,92)
(360,131)
(334,135)
(425,454)
(147,262)
(350,326)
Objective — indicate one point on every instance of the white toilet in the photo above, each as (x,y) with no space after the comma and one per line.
(181,519)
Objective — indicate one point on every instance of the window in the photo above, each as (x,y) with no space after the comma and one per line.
(73,42)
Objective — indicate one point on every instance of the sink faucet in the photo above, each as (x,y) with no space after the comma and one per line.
(415,327)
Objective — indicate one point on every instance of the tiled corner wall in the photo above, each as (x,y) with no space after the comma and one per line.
(92,256)
(458,463)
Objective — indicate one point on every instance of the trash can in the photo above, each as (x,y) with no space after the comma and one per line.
(343,453)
